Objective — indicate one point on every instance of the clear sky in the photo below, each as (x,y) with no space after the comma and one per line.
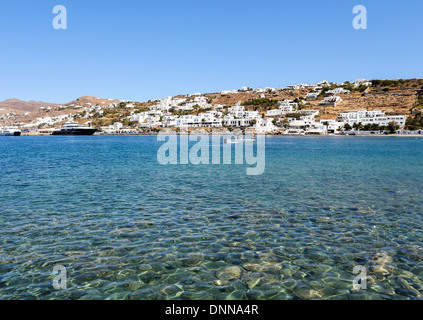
(140,50)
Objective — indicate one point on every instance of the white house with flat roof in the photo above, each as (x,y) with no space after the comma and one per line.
(312,95)
(288,106)
(311,113)
(333,126)
(332,100)
(339,91)
(372,117)
(362,82)
(231,121)
(228,92)
(274,113)
(264,125)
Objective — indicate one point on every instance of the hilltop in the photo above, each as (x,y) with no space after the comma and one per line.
(24,106)
(89,100)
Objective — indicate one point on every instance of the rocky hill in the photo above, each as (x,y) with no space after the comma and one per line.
(24,106)
(393,96)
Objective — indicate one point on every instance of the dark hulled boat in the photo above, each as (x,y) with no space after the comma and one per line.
(74,129)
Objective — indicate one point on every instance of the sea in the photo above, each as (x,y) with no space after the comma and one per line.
(100,218)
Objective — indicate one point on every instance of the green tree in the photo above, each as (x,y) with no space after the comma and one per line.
(393,127)
(347,127)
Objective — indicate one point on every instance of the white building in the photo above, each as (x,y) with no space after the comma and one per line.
(312,95)
(274,113)
(333,126)
(231,121)
(264,125)
(362,82)
(287,106)
(169,121)
(228,92)
(332,100)
(236,108)
(372,117)
(114,128)
(339,91)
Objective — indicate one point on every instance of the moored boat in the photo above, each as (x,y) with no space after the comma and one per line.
(239,139)
(10,131)
(74,129)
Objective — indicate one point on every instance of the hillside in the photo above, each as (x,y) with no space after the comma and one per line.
(396,97)
(24,106)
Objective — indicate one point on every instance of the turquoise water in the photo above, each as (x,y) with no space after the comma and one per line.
(126,227)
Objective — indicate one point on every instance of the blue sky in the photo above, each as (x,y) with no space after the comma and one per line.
(140,50)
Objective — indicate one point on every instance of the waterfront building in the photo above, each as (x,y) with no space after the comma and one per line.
(231,121)
(372,117)
(333,126)
(264,125)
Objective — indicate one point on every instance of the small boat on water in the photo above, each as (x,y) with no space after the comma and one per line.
(10,131)
(294,132)
(74,129)
(230,141)
(238,139)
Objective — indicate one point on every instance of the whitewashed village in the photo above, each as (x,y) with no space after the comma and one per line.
(198,113)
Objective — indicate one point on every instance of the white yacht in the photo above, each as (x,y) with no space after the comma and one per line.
(74,129)
(10,131)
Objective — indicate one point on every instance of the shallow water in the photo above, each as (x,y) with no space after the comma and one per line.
(126,227)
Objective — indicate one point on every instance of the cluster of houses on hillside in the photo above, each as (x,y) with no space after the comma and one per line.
(197,111)
(287,114)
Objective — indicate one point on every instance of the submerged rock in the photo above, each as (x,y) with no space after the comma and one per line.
(133,286)
(289,284)
(252,279)
(229,273)
(379,263)
(306,293)
(383,289)
(144,267)
(381,257)
(171,290)
(192,259)
(253,267)
(407,287)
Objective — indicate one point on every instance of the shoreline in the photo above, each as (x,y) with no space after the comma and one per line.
(229,134)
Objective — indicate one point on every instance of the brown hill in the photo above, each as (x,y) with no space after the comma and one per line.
(86,100)
(392,96)
(24,106)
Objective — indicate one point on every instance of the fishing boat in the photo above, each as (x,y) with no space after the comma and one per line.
(10,131)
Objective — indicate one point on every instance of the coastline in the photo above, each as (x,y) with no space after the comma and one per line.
(267,135)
